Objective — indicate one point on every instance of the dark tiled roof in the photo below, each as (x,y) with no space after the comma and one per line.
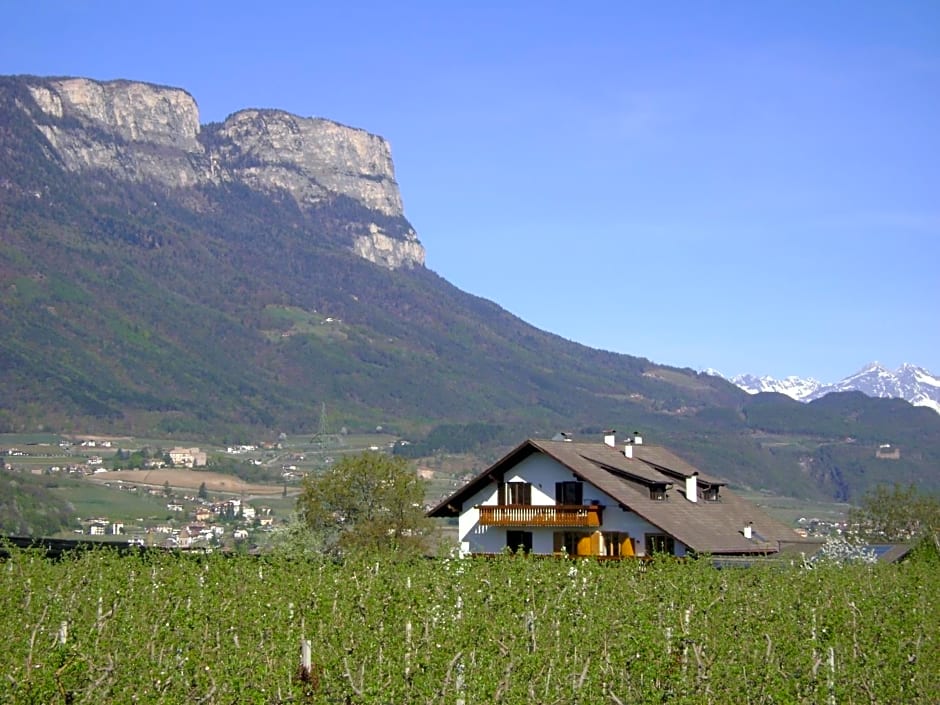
(704,526)
(670,463)
(890,552)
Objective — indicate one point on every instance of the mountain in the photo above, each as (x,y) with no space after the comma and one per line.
(163,277)
(151,135)
(909,382)
(794,387)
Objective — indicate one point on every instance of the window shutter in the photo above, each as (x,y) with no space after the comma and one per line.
(626,546)
(585,542)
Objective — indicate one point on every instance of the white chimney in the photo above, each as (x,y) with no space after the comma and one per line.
(748,530)
(691,487)
(628,450)
(610,438)
(637,438)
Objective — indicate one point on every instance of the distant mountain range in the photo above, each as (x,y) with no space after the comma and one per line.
(908,382)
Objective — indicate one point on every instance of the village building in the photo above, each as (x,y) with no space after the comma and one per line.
(607,500)
(188,457)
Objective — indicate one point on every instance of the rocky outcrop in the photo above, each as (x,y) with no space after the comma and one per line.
(379,247)
(309,157)
(130,130)
(147,133)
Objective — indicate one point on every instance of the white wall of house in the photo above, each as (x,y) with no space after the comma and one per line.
(542,473)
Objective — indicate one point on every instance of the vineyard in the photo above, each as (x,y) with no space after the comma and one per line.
(165,628)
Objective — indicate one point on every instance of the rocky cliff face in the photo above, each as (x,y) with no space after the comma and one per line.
(142,132)
(130,130)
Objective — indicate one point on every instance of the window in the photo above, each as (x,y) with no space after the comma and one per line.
(617,544)
(658,492)
(519,540)
(569,493)
(515,493)
(710,494)
(660,543)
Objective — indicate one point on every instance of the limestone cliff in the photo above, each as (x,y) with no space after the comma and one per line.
(147,133)
(130,130)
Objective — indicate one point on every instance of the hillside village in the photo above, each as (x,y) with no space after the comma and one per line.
(208,525)
(187,510)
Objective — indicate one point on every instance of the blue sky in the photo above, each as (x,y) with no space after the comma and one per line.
(753,187)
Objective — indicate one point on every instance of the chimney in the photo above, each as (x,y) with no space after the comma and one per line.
(637,438)
(610,438)
(628,450)
(748,530)
(691,487)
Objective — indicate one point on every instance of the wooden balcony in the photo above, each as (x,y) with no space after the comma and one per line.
(532,515)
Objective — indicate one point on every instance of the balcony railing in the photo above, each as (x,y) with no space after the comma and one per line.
(531,515)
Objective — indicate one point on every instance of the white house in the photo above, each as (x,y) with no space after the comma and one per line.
(607,500)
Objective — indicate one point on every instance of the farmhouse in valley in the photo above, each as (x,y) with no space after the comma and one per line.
(188,457)
(607,500)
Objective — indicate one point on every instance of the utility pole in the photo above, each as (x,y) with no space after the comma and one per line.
(322,431)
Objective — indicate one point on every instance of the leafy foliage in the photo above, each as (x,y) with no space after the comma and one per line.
(169,628)
(838,549)
(898,513)
(368,501)
(27,508)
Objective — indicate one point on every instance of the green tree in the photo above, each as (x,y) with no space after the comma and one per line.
(368,501)
(166,488)
(898,513)
(203,492)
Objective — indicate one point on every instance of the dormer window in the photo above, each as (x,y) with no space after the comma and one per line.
(658,492)
(710,494)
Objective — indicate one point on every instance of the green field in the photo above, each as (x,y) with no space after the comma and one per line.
(93,500)
(171,628)
(789,509)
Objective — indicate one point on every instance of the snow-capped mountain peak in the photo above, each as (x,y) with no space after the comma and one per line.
(795,387)
(873,370)
(917,375)
(910,382)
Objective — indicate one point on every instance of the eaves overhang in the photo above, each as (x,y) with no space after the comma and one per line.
(451,506)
